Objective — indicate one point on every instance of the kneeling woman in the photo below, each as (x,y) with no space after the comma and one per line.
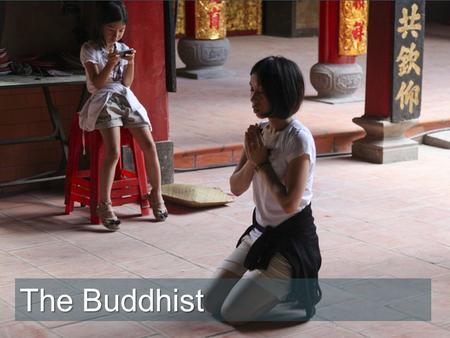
(281,246)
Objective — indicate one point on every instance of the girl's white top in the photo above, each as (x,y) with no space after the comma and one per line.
(92,52)
(285,145)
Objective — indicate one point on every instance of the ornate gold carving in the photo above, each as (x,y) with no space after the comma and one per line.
(244,15)
(210,19)
(353,27)
(260,18)
(181,29)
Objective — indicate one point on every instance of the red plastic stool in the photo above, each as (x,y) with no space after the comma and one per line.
(83,185)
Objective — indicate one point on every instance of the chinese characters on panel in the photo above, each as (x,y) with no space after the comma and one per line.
(408,59)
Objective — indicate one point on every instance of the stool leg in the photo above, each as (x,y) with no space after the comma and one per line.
(72,163)
(141,175)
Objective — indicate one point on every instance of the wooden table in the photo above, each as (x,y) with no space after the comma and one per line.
(18,81)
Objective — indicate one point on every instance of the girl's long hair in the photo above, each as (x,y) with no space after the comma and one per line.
(107,12)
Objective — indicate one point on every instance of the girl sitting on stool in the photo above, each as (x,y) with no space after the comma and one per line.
(112,105)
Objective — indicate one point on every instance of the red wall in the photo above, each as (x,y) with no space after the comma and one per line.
(145,33)
(23,111)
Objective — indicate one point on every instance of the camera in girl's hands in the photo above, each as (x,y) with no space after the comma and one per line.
(124,53)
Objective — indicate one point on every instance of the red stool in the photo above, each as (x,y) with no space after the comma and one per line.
(83,185)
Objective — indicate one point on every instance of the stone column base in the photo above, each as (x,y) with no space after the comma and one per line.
(165,157)
(384,141)
(204,59)
(206,73)
(335,81)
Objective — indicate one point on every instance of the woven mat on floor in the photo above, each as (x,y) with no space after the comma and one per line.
(195,195)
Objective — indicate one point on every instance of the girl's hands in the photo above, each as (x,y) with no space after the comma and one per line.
(130,57)
(113,58)
(255,150)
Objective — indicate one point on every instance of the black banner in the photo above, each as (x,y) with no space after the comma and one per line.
(409,26)
(343,299)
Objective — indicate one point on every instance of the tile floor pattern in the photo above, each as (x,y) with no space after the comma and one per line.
(373,220)
(224,102)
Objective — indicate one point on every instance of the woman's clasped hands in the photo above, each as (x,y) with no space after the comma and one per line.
(255,150)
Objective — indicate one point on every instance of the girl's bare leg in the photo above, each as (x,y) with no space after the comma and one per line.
(111,146)
(145,140)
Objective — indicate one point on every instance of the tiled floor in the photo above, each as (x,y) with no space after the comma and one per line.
(373,221)
(214,113)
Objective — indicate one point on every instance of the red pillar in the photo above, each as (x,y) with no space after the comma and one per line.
(379,59)
(394,79)
(329,34)
(145,33)
(189,18)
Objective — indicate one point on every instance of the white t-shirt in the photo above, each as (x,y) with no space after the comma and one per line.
(285,145)
(92,52)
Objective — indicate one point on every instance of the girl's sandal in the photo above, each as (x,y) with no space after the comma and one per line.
(159,209)
(107,216)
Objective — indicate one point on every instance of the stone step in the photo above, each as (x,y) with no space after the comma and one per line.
(439,139)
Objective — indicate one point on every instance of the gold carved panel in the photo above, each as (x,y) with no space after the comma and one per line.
(210,19)
(181,14)
(241,15)
(244,15)
(307,14)
(353,18)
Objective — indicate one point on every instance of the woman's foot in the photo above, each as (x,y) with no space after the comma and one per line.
(106,214)
(158,207)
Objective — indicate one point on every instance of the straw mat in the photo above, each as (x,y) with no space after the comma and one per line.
(194,195)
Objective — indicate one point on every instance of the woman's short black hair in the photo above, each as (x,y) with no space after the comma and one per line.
(282,82)
(108,12)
